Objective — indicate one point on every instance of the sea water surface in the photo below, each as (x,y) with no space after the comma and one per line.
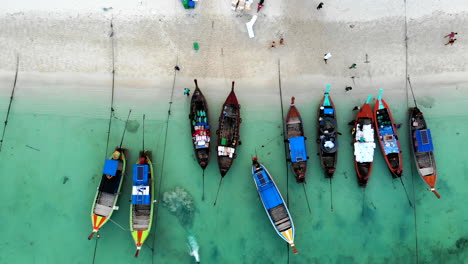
(53,153)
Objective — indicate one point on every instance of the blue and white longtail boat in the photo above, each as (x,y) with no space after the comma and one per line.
(273,203)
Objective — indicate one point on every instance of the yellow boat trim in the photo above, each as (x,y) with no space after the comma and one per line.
(288,235)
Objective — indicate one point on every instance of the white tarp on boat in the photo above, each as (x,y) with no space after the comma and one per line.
(366,134)
(364,151)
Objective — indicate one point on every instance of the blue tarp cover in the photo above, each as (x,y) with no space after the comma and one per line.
(110,167)
(140,174)
(424,140)
(386,130)
(297,149)
(328,111)
(270,195)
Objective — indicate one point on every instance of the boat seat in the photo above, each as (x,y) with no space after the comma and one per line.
(140,227)
(142,212)
(282,221)
(278,213)
(427,171)
(102,210)
(294,121)
(106,199)
(141,221)
(284,226)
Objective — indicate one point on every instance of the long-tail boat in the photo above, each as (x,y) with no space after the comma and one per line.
(273,203)
(296,142)
(388,136)
(142,207)
(109,189)
(363,139)
(422,148)
(327,132)
(200,127)
(228,132)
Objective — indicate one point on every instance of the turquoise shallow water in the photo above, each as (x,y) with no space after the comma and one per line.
(50,166)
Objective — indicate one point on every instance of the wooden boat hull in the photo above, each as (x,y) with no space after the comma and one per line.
(273,203)
(327,131)
(107,195)
(141,215)
(199,123)
(424,159)
(364,165)
(387,136)
(228,132)
(296,143)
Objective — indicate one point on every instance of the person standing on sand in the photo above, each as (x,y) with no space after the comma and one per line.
(187,92)
(273,44)
(451,41)
(281,41)
(320,6)
(353,66)
(451,35)
(326,57)
(348,88)
(260,5)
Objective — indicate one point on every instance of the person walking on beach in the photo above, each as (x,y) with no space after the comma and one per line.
(451,41)
(320,6)
(451,35)
(260,5)
(177,68)
(281,41)
(273,44)
(348,88)
(353,66)
(187,92)
(326,57)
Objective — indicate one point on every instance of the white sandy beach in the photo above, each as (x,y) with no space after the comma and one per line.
(65,50)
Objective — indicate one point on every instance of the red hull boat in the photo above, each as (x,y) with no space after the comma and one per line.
(363,139)
(228,132)
(296,142)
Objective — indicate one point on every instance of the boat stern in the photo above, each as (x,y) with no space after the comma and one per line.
(97,221)
(139,237)
(288,235)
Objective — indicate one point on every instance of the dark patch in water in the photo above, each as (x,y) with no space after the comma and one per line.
(345,259)
(426,101)
(461,243)
(214,252)
(65,179)
(318,225)
(133,126)
(345,174)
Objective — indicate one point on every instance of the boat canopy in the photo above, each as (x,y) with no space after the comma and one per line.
(140,174)
(328,111)
(268,192)
(297,149)
(423,140)
(110,167)
(140,192)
